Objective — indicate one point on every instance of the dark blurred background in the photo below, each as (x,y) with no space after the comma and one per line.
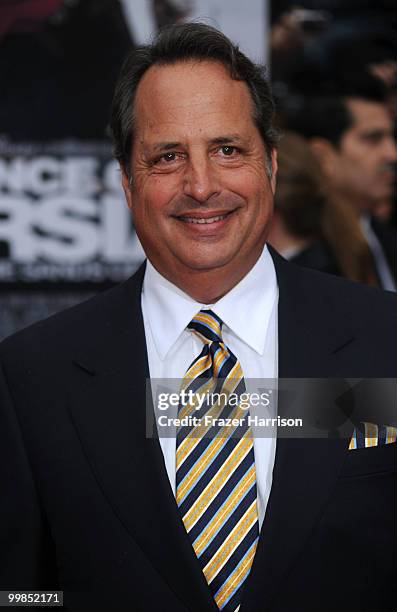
(65,232)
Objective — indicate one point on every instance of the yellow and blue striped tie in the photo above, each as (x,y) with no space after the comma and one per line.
(215,468)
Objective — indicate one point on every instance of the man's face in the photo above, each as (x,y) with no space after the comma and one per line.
(200,196)
(365,160)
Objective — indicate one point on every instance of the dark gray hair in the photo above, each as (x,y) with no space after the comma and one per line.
(179,43)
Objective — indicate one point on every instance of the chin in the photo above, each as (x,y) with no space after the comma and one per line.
(386,194)
(204,263)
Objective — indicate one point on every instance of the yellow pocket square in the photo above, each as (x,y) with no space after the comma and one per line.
(370,434)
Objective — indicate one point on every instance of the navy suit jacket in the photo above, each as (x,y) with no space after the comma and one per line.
(86,503)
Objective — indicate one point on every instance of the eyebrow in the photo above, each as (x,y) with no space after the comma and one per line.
(166,146)
(375,133)
(227,138)
(219,140)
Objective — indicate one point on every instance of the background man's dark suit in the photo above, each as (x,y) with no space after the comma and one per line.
(86,503)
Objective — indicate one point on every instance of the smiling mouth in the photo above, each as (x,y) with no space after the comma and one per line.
(204,220)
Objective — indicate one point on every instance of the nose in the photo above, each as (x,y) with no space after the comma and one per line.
(391,149)
(200,180)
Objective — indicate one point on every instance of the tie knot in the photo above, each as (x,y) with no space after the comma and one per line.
(207,325)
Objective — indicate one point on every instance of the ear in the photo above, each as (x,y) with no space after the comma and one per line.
(326,155)
(273,179)
(126,183)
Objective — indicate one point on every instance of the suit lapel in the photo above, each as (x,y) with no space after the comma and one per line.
(109,416)
(304,470)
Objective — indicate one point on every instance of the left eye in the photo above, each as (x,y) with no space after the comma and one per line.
(227,150)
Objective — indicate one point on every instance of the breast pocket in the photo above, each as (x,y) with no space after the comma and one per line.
(370,460)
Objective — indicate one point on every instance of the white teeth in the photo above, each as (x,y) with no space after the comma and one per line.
(209,220)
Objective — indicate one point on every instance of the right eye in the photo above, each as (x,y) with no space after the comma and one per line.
(168,157)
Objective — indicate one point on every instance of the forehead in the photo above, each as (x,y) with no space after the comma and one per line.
(369,116)
(191,98)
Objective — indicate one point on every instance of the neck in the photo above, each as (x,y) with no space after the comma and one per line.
(208,286)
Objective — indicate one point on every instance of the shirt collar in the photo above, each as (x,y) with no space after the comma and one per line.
(245,310)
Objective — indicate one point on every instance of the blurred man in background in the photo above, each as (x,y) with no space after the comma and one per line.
(353,139)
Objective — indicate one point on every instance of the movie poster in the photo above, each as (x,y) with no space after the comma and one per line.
(65,231)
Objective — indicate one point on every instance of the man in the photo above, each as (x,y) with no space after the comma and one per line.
(353,138)
(116,519)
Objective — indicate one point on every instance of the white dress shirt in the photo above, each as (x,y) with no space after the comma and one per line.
(382,267)
(249,315)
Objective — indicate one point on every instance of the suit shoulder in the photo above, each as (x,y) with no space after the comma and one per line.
(329,284)
(336,297)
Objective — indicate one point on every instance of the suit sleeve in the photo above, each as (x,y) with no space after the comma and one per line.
(27,559)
